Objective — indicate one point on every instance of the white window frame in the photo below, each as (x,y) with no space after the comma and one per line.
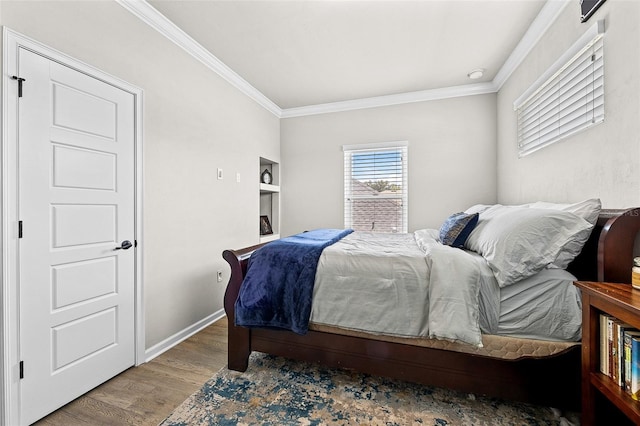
(567,98)
(403,194)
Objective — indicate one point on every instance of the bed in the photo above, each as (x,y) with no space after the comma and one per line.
(505,365)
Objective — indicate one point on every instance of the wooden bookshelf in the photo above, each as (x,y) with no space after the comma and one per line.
(622,302)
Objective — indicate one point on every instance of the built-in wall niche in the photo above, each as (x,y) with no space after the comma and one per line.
(269,220)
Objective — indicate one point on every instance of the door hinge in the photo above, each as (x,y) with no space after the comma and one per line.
(22,369)
(20,81)
(20,229)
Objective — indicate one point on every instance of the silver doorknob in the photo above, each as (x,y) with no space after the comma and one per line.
(125,245)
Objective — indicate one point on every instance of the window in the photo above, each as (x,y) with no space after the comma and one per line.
(568,98)
(375,187)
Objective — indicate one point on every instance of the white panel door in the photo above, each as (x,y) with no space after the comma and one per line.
(76,142)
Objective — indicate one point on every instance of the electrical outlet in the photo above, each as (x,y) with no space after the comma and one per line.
(219,276)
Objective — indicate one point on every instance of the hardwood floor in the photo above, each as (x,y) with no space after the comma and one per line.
(147,394)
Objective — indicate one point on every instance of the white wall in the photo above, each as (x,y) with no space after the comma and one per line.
(452,159)
(603,161)
(194,122)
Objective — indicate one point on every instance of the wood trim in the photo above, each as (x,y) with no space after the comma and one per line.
(615,251)
(181,336)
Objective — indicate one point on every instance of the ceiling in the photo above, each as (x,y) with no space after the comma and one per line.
(301,53)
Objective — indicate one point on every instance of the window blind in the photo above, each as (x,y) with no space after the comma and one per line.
(569,101)
(375,187)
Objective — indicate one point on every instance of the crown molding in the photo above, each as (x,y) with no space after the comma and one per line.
(388,100)
(148,14)
(547,16)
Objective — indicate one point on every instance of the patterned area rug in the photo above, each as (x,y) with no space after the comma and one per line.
(276,391)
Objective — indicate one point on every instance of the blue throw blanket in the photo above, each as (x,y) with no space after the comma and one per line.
(278,286)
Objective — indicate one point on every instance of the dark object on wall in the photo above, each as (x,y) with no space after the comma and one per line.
(588,8)
(265,226)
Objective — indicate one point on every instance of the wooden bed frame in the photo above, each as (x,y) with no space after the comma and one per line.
(552,381)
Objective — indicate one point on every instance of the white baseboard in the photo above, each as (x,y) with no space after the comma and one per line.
(171,341)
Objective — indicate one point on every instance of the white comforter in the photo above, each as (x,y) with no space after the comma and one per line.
(406,285)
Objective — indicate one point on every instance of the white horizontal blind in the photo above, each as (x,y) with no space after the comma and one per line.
(375,188)
(571,100)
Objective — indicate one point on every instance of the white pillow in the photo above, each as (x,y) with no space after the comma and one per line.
(478,208)
(589,210)
(517,242)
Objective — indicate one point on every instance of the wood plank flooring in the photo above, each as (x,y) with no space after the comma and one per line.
(147,394)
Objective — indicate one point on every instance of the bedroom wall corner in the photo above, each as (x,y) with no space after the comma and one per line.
(602,161)
(452,159)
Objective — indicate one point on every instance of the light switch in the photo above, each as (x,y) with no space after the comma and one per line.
(238,177)
(220,174)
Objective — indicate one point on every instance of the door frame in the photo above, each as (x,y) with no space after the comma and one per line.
(9,293)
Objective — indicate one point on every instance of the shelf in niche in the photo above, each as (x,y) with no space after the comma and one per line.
(266,188)
(270,237)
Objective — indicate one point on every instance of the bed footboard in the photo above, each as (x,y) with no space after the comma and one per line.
(239,346)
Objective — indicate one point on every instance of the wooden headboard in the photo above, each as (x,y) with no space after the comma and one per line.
(608,254)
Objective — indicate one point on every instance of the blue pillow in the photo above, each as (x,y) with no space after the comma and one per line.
(456,229)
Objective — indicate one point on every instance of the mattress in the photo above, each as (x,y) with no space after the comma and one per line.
(493,346)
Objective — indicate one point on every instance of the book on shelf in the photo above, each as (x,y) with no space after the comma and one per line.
(635,368)
(614,358)
(604,344)
(628,336)
(620,354)
(616,329)
(621,329)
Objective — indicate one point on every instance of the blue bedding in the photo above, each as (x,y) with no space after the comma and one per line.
(278,286)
